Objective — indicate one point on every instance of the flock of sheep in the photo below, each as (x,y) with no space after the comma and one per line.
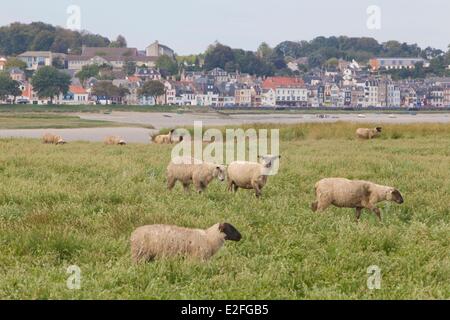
(158,241)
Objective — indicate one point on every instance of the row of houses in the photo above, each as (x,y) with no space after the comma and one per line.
(348,85)
(115,57)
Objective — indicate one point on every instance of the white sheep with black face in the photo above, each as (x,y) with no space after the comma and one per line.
(358,194)
(250,175)
(189,171)
(165,138)
(160,241)
(114,140)
(50,138)
(367,134)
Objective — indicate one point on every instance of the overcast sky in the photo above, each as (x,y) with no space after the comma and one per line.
(189,26)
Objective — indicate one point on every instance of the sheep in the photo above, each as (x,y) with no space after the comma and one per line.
(160,241)
(189,170)
(113,140)
(53,139)
(358,194)
(365,133)
(250,175)
(165,138)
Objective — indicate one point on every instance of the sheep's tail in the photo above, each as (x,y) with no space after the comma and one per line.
(314,206)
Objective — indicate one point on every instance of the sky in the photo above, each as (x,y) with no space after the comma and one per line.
(189,26)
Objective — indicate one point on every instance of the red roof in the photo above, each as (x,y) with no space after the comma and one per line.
(133,79)
(278,82)
(77,90)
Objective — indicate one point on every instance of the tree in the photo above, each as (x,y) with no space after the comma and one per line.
(58,63)
(94,40)
(49,82)
(152,89)
(8,87)
(120,42)
(108,90)
(87,72)
(264,51)
(218,56)
(15,63)
(129,68)
(167,64)
(332,63)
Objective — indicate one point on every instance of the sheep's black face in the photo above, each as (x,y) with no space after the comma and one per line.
(220,173)
(379,129)
(397,197)
(230,232)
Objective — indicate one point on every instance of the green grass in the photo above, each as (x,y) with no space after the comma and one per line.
(54,121)
(77,204)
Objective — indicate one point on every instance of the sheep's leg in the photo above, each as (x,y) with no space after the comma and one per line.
(235,187)
(171,183)
(230,184)
(186,187)
(377,212)
(255,186)
(322,206)
(199,187)
(358,213)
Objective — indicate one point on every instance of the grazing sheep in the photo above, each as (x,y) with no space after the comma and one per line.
(165,138)
(159,241)
(53,139)
(250,175)
(189,170)
(365,133)
(113,140)
(344,193)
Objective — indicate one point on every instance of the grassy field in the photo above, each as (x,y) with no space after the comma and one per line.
(54,121)
(78,204)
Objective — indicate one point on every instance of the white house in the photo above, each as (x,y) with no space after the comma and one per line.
(291,95)
(75,95)
(268,98)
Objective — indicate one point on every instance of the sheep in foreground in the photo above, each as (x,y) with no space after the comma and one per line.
(188,170)
(53,139)
(366,133)
(164,138)
(113,140)
(250,175)
(159,241)
(358,194)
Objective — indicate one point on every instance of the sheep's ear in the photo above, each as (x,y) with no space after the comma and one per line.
(222,227)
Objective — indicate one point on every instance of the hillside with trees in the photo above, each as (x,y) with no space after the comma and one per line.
(17,38)
(321,52)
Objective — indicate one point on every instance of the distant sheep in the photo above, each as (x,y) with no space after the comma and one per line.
(166,138)
(358,194)
(113,140)
(189,170)
(366,133)
(160,241)
(53,139)
(250,175)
